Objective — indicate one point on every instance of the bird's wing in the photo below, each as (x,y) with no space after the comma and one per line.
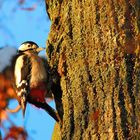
(22,79)
(22,69)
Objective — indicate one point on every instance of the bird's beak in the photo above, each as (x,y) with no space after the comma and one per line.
(23,105)
(40,49)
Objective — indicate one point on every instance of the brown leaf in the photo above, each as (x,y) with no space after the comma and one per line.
(3,115)
(16,133)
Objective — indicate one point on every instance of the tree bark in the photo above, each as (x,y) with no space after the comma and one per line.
(95,47)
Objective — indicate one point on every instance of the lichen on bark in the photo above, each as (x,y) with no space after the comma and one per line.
(95,47)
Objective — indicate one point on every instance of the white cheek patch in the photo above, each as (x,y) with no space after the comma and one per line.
(24,47)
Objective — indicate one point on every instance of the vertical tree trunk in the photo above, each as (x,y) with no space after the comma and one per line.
(95,47)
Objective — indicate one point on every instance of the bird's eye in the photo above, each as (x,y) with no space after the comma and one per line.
(29,45)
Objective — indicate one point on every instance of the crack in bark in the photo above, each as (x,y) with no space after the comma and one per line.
(123,113)
(71,109)
(70,33)
(114,117)
(113,105)
(130,62)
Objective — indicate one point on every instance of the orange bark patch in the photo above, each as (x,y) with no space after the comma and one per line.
(61,69)
(94,116)
(130,46)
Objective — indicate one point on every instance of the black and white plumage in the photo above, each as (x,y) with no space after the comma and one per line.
(29,70)
(31,77)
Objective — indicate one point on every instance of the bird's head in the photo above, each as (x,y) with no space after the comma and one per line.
(30,46)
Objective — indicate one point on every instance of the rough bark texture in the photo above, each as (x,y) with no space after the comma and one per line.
(95,47)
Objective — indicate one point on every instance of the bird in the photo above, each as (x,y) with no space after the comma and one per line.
(32,78)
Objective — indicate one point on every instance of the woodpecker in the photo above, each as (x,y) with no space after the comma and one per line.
(31,77)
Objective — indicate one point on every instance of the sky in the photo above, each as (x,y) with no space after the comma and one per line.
(19,24)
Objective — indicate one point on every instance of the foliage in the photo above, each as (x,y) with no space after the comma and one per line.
(8,15)
(7,93)
(16,133)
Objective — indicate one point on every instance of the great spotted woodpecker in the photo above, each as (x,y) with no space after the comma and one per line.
(31,78)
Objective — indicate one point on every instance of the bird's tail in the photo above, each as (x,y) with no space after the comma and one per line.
(23,103)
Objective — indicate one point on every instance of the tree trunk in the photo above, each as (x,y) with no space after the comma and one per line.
(95,47)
